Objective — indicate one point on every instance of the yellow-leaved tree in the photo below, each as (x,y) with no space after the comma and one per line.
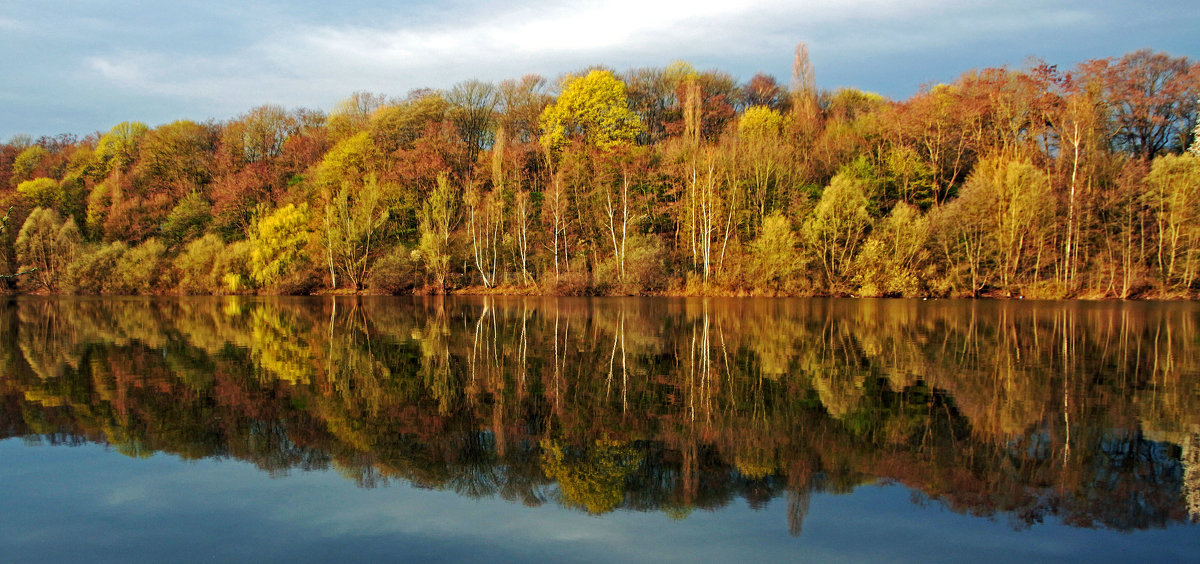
(117,149)
(277,247)
(837,227)
(41,192)
(1174,195)
(762,156)
(593,109)
(437,222)
(45,246)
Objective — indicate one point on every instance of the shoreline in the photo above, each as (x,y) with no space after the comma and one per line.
(535,291)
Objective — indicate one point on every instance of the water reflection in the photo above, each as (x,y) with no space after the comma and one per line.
(1089,413)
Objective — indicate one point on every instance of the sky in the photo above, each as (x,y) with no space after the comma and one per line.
(81,66)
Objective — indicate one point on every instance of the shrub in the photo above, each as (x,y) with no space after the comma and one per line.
(395,272)
(143,269)
(196,265)
(232,266)
(644,268)
(93,272)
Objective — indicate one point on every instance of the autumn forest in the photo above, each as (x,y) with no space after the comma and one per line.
(1033,181)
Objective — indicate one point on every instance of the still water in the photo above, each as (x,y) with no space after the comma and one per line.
(605,430)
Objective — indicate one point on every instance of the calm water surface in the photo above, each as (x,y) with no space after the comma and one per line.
(608,430)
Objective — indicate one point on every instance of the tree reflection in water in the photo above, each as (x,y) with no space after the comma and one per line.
(1088,413)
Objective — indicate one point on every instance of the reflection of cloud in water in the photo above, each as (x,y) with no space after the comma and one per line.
(133,494)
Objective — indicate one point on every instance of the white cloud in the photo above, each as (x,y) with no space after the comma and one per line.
(640,32)
(593,28)
(121,72)
(223,58)
(308,62)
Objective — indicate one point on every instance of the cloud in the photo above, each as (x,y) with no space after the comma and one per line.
(121,72)
(299,62)
(219,58)
(10,25)
(531,38)
(592,29)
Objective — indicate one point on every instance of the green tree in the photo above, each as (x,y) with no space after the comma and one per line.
(174,159)
(399,126)
(994,232)
(7,275)
(776,260)
(760,121)
(94,270)
(351,160)
(99,204)
(763,154)
(233,267)
(188,219)
(593,478)
(908,178)
(351,115)
(197,265)
(354,220)
(27,162)
(143,269)
(1025,207)
(394,272)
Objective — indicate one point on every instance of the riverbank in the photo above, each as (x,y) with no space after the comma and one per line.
(1044,292)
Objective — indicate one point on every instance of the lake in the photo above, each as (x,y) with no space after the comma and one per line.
(424,429)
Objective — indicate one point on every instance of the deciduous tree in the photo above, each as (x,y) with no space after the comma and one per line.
(438,217)
(837,228)
(48,244)
(1152,96)
(277,246)
(592,109)
(1174,196)
(354,219)
(118,148)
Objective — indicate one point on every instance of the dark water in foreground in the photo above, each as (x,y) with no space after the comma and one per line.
(609,430)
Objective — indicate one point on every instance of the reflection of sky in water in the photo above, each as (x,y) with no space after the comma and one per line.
(87,504)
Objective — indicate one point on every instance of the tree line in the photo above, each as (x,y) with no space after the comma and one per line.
(1034,182)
